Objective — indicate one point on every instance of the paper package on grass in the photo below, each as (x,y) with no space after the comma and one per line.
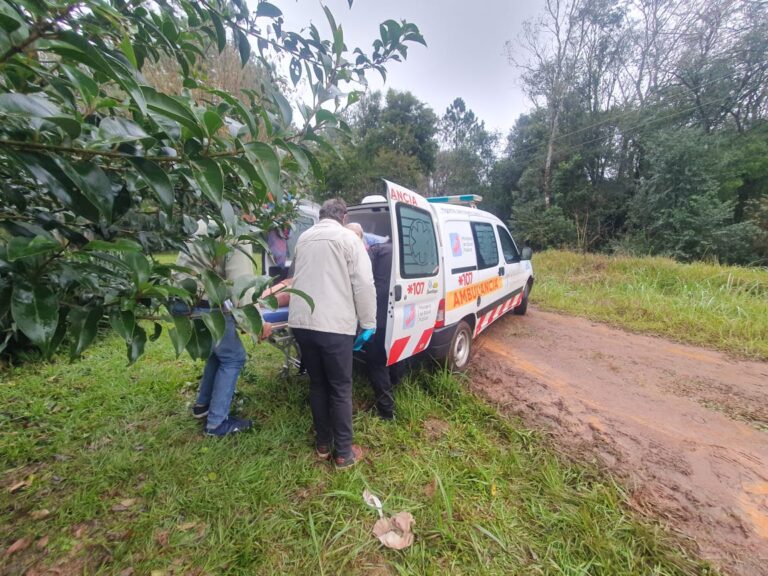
(394,532)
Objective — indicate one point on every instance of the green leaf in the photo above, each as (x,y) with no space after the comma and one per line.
(326,116)
(70,125)
(180,333)
(303,295)
(267,10)
(216,324)
(298,154)
(34,105)
(70,45)
(21,247)
(49,175)
(173,109)
(209,177)
(243,46)
(9,24)
(158,181)
(124,323)
(136,344)
(286,112)
(36,313)
(116,129)
(212,122)
(139,266)
(317,168)
(200,341)
(127,47)
(245,283)
(270,302)
(119,245)
(249,318)
(245,114)
(84,323)
(215,287)
(353,97)
(93,183)
(267,164)
(89,90)
(338,34)
(156,332)
(221,33)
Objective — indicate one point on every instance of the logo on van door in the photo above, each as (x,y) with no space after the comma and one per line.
(409,316)
(455,244)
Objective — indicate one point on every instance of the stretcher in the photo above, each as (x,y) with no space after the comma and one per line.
(282,339)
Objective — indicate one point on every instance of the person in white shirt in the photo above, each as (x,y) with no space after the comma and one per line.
(333,269)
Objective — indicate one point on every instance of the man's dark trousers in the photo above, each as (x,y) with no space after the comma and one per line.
(383,378)
(328,359)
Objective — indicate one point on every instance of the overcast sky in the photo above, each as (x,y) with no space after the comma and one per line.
(465,55)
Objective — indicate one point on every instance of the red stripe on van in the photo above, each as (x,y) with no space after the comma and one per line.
(397,350)
(423,341)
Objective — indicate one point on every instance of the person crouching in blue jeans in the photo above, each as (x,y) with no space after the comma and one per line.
(228,356)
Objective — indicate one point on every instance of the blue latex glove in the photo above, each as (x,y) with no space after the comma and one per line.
(362,338)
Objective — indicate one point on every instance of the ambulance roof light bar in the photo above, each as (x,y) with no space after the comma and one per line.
(463,199)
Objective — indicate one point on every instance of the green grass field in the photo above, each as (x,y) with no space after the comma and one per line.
(115,474)
(723,307)
(104,470)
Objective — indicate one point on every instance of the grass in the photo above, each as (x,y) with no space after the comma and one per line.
(723,307)
(117,475)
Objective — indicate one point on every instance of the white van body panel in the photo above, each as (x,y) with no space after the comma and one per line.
(416,282)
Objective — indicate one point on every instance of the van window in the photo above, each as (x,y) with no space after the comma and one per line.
(301,224)
(418,245)
(487,249)
(373,220)
(508,246)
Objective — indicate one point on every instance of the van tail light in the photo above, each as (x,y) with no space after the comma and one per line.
(440,321)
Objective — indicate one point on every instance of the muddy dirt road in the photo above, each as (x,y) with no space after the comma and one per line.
(684,427)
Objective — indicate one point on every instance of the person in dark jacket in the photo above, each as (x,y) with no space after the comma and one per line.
(383,378)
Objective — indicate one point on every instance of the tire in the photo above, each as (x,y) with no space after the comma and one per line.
(522,308)
(461,348)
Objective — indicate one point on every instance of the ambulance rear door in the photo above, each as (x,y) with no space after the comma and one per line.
(416,284)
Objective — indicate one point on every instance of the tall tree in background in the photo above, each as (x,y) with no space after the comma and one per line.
(467,153)
(554,43)
(392,139)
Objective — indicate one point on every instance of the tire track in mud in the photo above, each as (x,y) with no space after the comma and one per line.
(684,427)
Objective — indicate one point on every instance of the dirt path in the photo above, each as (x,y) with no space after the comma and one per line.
(687,428)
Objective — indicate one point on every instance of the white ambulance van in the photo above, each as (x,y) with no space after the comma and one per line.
(455,270)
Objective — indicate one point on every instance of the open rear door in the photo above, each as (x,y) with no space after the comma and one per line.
(416,283)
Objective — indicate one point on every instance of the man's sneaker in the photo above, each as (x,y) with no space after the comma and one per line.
(200,410)
(344,463)
(323,452)
(230,426)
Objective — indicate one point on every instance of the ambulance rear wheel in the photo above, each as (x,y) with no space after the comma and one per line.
(461,346)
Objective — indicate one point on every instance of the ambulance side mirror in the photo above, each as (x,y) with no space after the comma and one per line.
(526,253)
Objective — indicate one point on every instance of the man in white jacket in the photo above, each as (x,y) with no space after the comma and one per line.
(333,269)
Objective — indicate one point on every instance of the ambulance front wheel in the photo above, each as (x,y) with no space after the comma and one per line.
(461,346)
